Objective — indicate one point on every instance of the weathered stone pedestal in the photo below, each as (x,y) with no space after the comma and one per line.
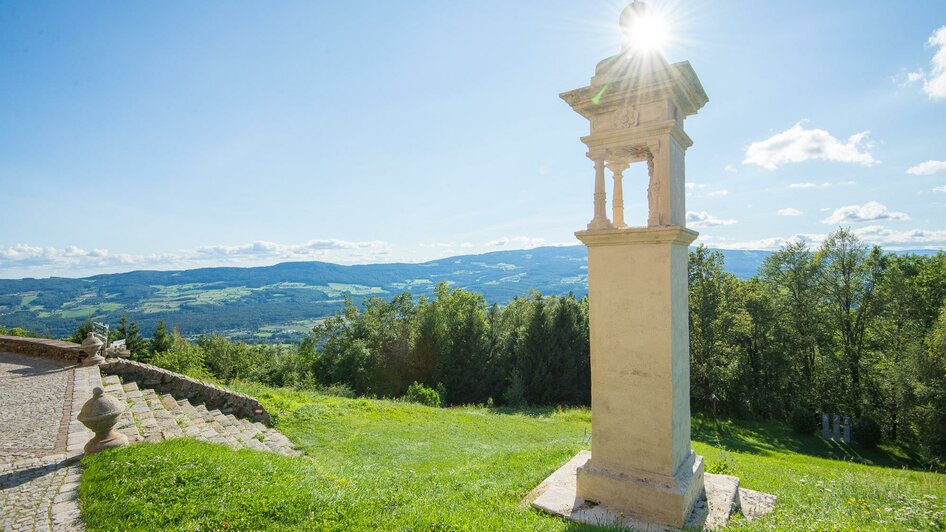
(641,460)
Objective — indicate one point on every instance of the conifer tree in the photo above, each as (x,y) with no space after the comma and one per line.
(161,340)
(136,343)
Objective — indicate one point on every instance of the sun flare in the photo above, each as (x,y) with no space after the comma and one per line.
(644,29)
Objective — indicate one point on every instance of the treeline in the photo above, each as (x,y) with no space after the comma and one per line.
(844,329)
(534,350)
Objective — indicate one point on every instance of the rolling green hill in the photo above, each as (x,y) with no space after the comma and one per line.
(388,465)
(280,303)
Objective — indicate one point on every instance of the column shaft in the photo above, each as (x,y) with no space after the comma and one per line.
(600,220)
(618,199)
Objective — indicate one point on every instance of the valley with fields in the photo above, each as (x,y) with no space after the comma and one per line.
(281,303)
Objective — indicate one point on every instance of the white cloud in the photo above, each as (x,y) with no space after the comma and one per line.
(913,77)
(730,168)
(769,244)
(928,168)
(935,82)
(882,236)
(705,219)
(789,211)
(798,144)
(694,186)
(24,259)
(516,242)
(718,193)
(868,212)
(822,185)
(940,189)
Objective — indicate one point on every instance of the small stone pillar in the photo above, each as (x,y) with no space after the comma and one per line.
(92,345)
(836,436)
(100,414)
(825,427)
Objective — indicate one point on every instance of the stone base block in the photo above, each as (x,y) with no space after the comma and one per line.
(718,499)
(666,502)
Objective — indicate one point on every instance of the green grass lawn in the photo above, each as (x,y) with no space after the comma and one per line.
(390,465)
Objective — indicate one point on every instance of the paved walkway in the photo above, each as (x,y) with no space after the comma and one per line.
(40,441)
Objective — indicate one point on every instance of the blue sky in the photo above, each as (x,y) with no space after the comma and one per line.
(183,134)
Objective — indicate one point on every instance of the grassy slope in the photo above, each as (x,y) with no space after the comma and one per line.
(381,464)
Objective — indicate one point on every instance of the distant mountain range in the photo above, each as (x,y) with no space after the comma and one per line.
(281,303)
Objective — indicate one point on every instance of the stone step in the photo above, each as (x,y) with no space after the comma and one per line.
(166,420)
(721,501)
(151,416)
(126,422)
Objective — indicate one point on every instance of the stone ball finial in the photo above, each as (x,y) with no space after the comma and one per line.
(100,414)
(92,345)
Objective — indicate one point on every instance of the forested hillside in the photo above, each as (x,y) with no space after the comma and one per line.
(845,328)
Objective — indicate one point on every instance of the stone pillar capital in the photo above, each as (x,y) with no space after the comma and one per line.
(653,146)
(618,166)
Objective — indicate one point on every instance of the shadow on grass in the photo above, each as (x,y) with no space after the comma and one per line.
(770,437)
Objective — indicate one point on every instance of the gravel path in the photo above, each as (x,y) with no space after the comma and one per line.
(40,445)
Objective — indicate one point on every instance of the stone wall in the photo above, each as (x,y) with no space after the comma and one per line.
(42,347)
(183,387)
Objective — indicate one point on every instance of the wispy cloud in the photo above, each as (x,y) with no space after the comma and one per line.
(883,236)
(21,260)
(24,257)
(872,234)
(516,242)
(764,244)
(731,168)
(718,193)
(822,185)
(705,219)
(789,211)
(868,212)
(798,144)
(940,189)
(927,168)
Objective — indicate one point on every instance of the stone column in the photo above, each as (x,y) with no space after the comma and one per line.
(666,192)
(600,220)
(618,168)
(641,459)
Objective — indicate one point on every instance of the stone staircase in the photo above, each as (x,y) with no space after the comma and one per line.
(153,417)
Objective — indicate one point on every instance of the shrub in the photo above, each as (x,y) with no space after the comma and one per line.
(802,421)
(418,393)
(17,331)
(183,357)
(867,431)
(337,390)
(515,395)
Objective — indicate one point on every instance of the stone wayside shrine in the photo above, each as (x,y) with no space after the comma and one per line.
(641,471)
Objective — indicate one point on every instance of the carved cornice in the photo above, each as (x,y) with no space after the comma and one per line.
(670,234)
(637,137)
